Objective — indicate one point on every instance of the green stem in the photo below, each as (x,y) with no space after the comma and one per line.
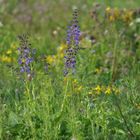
(114,63)
(27,89)
(65,95)
(33,87)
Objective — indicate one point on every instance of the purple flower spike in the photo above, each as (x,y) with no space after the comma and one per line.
(25,55)
(73,34)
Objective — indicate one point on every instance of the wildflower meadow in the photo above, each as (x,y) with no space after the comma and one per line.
(69,70)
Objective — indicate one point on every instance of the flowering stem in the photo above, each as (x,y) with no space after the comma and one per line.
(65,95)
(114,63)
(27,89)
(33,87)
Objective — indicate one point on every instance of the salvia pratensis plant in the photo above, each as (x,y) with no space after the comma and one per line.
(72,42)
(26,55)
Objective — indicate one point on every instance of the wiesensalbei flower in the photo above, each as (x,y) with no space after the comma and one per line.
(73,34)
(26,55)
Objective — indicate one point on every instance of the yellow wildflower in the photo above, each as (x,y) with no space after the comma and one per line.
(9,52)
(60,50)
(6,59)
(98,89)
(112,14)
(108,9)
(79,88)
(62,47)
(97,70)
(76,85)
(23,60)
(116,91)
(127,16)
(75,81)
(108,90)
(51,59)
(111,18)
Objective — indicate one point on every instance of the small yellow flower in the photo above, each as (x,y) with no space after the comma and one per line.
(116,91)
(62,47)
(60,50)
(6,59)
(138,106)
(23,60)
(75,81)
(111,18)
(79,88)
(97,70)
(51,59)
(98,89)
(113,14)
(9,52)
(108,90)
(108,9)
(127,16)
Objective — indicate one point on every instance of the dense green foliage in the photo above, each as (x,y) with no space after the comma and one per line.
(101,101)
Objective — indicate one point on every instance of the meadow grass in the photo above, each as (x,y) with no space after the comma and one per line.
(100,101)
